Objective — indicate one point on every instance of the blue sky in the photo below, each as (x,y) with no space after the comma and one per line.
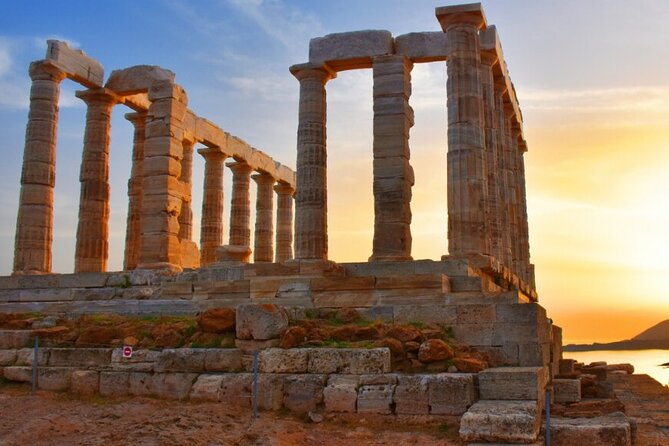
(592,78)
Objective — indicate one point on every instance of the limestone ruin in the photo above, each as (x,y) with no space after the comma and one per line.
(482,293)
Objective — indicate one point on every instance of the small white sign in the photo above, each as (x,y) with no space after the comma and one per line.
(127,351)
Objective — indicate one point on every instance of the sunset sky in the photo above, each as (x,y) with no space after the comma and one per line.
(592,78)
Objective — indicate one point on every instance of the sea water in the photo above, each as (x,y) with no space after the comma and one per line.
(644,361)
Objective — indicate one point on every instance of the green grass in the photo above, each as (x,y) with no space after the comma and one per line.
(447,332)
(336,320)
(333,343)
(309,314)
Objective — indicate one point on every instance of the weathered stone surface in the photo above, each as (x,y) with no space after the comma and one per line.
(14,338)
(85,382)
(303,393)
(434,350)
(422,47)
(236,389)
(222,360)
(277,360)
(501,422)
(341,393)
(54,378)
(375,398)
(512,383)
(141,360)
(350,50)
(261,321)
(175,385)
(293,337)
(137,79)
(114,383)
(75,63)
(79,357)
(180,360)
(270,391)
(7,357)
(411,395)
(451,393)
(206,388)
(469,365)
(610,430)
(349,361)
(252,346)
(18,373)
(566,390)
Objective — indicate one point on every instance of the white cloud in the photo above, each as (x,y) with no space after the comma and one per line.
(14,89)
(268,87)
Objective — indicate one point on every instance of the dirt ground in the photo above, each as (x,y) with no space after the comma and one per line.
(60,419)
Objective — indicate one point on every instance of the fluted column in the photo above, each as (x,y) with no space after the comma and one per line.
(284,222)
(92,249)
(523,229)
(186,215)
(211,232)
(393,175)
(34,223)
(131,258)
(311,235)
(514,215)
(492,209)
(504,174)
(240,208)
(467,189)
(263,249)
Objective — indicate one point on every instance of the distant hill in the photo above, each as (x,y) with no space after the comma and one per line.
(658,332)
(656,337)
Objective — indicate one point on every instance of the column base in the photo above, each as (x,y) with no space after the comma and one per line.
(233,253)
(389,258)
(165,266)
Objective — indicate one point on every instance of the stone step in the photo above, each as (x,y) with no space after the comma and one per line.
(513,383)
(493,421)
(608,430)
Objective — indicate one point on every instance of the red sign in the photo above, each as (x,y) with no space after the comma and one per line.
(127,351)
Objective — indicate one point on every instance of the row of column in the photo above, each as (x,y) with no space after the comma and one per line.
(486,181)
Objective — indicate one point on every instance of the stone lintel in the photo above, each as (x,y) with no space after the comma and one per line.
(75,64)
(350,50)
(138,102)
(137,79)
(422,47)
(471,13)
(98,94)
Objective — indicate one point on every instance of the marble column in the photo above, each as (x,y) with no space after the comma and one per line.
(92,249)
(493,217)
(263,249)
(162,192)
(239,243)
(513,133)
(504,174)
(393,175)
(284,222)
(34,223)
(467,188)
(186,178)
(131,258)
(311,235)
(211,232)
(523,229)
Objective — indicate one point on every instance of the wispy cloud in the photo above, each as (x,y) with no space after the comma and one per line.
(14,89)
(287,24)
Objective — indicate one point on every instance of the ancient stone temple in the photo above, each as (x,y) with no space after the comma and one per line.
(480,297)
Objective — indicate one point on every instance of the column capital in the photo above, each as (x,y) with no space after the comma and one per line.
(98,96)
(284,189)
(212,153)
(45,70)
(313,71)
(239,167)
(138,119)
(470,14)
(263,178)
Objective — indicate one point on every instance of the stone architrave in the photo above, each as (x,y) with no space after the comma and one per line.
(467,189)
(493,218)
(263,249)
(161,189)
(34,224)
(311,237)
(92,248)
(239,242)
(284,222)
(393,175)
(211,233)
(131,257)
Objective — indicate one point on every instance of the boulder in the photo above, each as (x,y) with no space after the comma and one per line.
(293,337)
(404,333)
(260,322)
(469,365)
(217,320)
(434,350)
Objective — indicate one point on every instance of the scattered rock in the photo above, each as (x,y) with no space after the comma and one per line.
(395,346)
(260,322)
(434,350)
(131,341)
(293,337)
(411,346)
(217,320)
(50,332)
(405,333)
(353,333)
(469,365)
(97,336)
(315,417)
